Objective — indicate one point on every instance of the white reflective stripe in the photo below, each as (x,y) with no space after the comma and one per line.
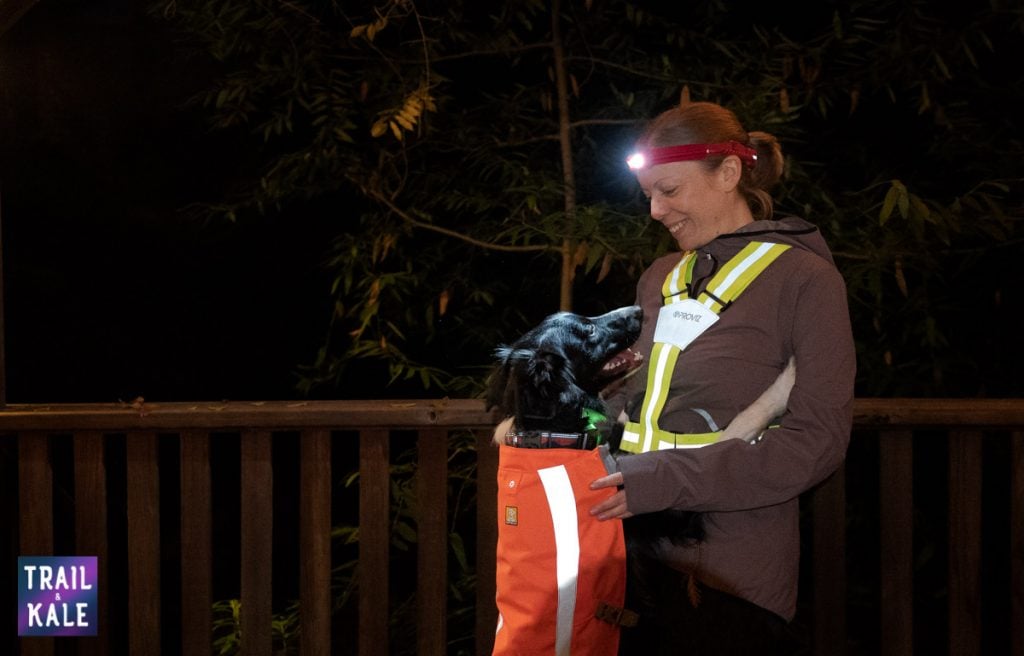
(747,262)
(659,380)
(664,446)
(673,279)
(673,283)
(562,504)
(501,623)
(630,436)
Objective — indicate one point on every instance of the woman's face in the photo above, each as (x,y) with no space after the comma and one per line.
(694,204)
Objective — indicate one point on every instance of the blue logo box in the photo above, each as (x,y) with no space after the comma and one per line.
(57,596)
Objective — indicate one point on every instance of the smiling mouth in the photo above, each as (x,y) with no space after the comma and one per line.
(622,364)
(677,227)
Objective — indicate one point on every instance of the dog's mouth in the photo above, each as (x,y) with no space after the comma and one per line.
(622,364)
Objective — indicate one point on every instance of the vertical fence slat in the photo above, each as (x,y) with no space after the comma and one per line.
(143,501)
(196,544)
(1017,545)
(896,482)
(829,565)
(964,543)
(35,494)
(257,509)
(91,527)
(486,541)
(35,507)
(432,545)
(315,543)
(374,494)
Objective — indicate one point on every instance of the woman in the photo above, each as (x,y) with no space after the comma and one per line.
(707,179)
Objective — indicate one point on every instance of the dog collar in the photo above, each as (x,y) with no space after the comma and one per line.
(588,439)
(549,440)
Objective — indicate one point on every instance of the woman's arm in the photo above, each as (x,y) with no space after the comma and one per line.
(809,444)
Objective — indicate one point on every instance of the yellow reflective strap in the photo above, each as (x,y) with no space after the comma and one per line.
(659,377)
(675,286)
(723,288)
(631,438)
(667,440)
(662,439)
(738,273)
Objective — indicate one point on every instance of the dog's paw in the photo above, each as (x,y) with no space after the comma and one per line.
(501,430)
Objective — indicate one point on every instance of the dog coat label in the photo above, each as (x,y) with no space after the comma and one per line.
(681,323)
(512,515)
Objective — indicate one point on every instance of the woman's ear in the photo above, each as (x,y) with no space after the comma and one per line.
(729,172)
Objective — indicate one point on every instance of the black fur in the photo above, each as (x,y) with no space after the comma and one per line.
(549,375)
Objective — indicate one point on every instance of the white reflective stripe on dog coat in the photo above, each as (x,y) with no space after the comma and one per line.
(562,504)
(724,287)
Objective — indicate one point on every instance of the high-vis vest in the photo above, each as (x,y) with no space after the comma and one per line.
(558,567)
(723,289)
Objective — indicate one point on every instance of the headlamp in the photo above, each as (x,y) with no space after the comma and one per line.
(666,154)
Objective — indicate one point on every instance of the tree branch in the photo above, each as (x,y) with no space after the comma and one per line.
(495,52)
(632,71)
(416,223)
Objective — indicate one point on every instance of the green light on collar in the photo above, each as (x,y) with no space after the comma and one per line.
(593,418)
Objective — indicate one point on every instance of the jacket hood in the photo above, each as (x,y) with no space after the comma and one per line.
(790,230)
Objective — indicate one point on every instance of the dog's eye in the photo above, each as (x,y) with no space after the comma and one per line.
(590,329)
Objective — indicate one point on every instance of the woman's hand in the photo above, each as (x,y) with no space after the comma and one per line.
(614,507)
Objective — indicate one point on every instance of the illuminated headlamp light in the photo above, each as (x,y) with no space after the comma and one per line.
(636,161)
(664,155)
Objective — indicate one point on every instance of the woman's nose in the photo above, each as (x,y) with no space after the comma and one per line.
(658,209)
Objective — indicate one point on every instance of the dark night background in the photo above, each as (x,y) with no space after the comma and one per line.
(111,290)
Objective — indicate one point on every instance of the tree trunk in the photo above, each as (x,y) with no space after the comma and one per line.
(568,175)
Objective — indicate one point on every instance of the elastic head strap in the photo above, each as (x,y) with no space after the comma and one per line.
(654,156)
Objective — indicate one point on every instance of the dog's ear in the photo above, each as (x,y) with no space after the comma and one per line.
(554,388)
(497,381)
(551,376)
(501,380)
(545,371)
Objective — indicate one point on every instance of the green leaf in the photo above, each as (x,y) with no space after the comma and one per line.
(888,204)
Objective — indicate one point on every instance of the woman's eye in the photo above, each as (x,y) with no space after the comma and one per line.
(671,191)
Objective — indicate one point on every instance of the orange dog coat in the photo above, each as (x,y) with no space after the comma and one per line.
(557,565)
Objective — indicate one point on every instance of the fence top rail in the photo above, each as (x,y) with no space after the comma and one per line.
(939,413)
(438,413)
(229,415)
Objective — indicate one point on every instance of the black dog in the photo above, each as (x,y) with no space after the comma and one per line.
(551,374)
(550,378)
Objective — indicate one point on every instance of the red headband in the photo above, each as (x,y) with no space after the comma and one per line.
(655,156)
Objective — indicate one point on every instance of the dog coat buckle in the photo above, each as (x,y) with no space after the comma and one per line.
(615,615)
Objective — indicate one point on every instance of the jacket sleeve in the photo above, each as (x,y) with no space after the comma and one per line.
(809,444)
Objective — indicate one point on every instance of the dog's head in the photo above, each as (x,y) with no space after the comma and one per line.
(547,376)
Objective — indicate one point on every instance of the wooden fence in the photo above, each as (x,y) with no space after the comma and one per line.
(93,431)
